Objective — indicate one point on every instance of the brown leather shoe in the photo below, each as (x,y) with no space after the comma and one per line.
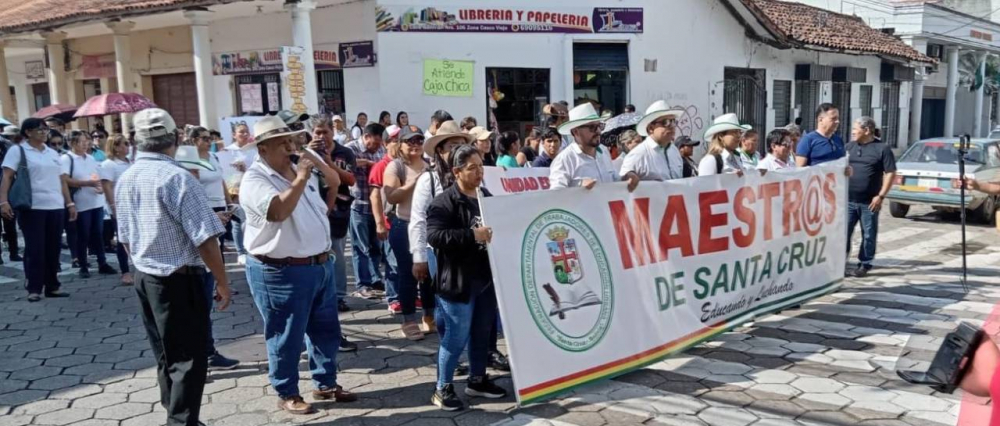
(337,394)
(295,405)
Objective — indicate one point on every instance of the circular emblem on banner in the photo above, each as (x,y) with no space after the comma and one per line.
(566,279)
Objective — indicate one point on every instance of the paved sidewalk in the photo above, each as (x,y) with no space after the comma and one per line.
(85,360)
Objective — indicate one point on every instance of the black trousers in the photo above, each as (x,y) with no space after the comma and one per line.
(10,234)
(175,313)
(42,230)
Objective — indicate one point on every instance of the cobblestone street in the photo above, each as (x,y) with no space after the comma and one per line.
(85,360)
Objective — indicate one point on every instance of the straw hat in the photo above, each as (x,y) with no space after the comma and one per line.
(270,127)
(582,115)
(187,155)
(448,129)
(654,112)
(725,123)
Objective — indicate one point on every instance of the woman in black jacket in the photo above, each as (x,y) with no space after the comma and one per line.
(467,305)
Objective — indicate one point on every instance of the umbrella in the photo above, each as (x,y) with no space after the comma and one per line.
(5,123)
(114,103)
(621,121)
(618,124)
(63,112)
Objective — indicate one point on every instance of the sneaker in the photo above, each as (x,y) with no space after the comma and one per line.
(446,399)
(366,293)
(218,362)
(342,306)
(498,361)
(412,331)
(346,345)
(482,386)
(427,325)
(241,259)
(395,308)
(106,269)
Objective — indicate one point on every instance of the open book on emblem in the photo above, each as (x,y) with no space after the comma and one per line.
(570,298)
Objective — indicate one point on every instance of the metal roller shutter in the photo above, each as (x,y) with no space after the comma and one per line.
(600,56)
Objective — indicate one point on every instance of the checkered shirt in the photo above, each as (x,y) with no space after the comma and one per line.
(361,191)
(163,215)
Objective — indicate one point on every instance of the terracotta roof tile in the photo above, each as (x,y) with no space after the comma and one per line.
(817,27)
(18,16)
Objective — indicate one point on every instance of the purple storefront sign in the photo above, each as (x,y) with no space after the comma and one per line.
(357,54)
(403,18)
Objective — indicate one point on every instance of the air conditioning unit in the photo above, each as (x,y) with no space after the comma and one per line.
(935,51)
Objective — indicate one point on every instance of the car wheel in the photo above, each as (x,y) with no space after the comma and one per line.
(987,212)
(898,210)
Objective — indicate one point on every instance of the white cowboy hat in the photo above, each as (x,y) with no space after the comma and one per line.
(187,155)
(581,115)
(270,127)
(654,112)
(725,123)
(448,129)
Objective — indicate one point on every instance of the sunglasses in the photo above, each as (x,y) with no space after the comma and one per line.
(665,122)
(596,127)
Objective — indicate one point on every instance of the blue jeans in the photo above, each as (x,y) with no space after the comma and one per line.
(406,285)
(90,234)
(464,323)
(209,289)
(340,267)
(869,231)
(368,253)
(298,305)
(238,238)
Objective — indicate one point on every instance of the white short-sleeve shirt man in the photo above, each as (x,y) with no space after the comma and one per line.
(651,161)
(305,233)
(572,166)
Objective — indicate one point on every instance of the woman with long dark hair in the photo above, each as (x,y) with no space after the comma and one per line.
(385,119)
(117,148)
(510,147)
(42,221)
(467,306)
(402,119)
(82,174)
(359,126)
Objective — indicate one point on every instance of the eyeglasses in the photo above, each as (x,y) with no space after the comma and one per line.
(595,127)
(665,122)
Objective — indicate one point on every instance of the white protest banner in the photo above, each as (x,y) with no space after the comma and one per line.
(593,284)
(501,181)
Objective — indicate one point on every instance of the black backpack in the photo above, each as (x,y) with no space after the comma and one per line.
(718,163)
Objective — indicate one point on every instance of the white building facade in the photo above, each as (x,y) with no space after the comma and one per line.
(497,61)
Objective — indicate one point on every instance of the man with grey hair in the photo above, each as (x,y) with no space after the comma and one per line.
(167,226)
(874,168)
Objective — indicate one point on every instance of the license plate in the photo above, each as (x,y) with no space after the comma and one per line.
(927,182)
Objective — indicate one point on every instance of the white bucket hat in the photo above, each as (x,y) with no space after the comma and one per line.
(581,115)
(187,155)
(270,127)
(654,112)
(725,123)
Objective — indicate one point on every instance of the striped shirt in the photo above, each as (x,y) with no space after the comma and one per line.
(163,215)
(361,191)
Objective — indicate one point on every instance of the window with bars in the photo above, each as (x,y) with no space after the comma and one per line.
(746,95)
(782,101)
(866,100)
(890,113)
(842,99)
(331,91)
(807,100)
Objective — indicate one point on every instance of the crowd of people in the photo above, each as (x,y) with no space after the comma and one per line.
(407,199)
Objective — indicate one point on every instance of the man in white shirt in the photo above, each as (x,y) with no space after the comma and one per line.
(656,158)
(585,163)
(289,269)
(779,146)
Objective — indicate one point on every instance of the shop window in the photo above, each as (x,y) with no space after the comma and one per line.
(258,94)
(600,75)
(522,93)
(890,113)
(745,95)
(331,91)
(782,100)
(842,99)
